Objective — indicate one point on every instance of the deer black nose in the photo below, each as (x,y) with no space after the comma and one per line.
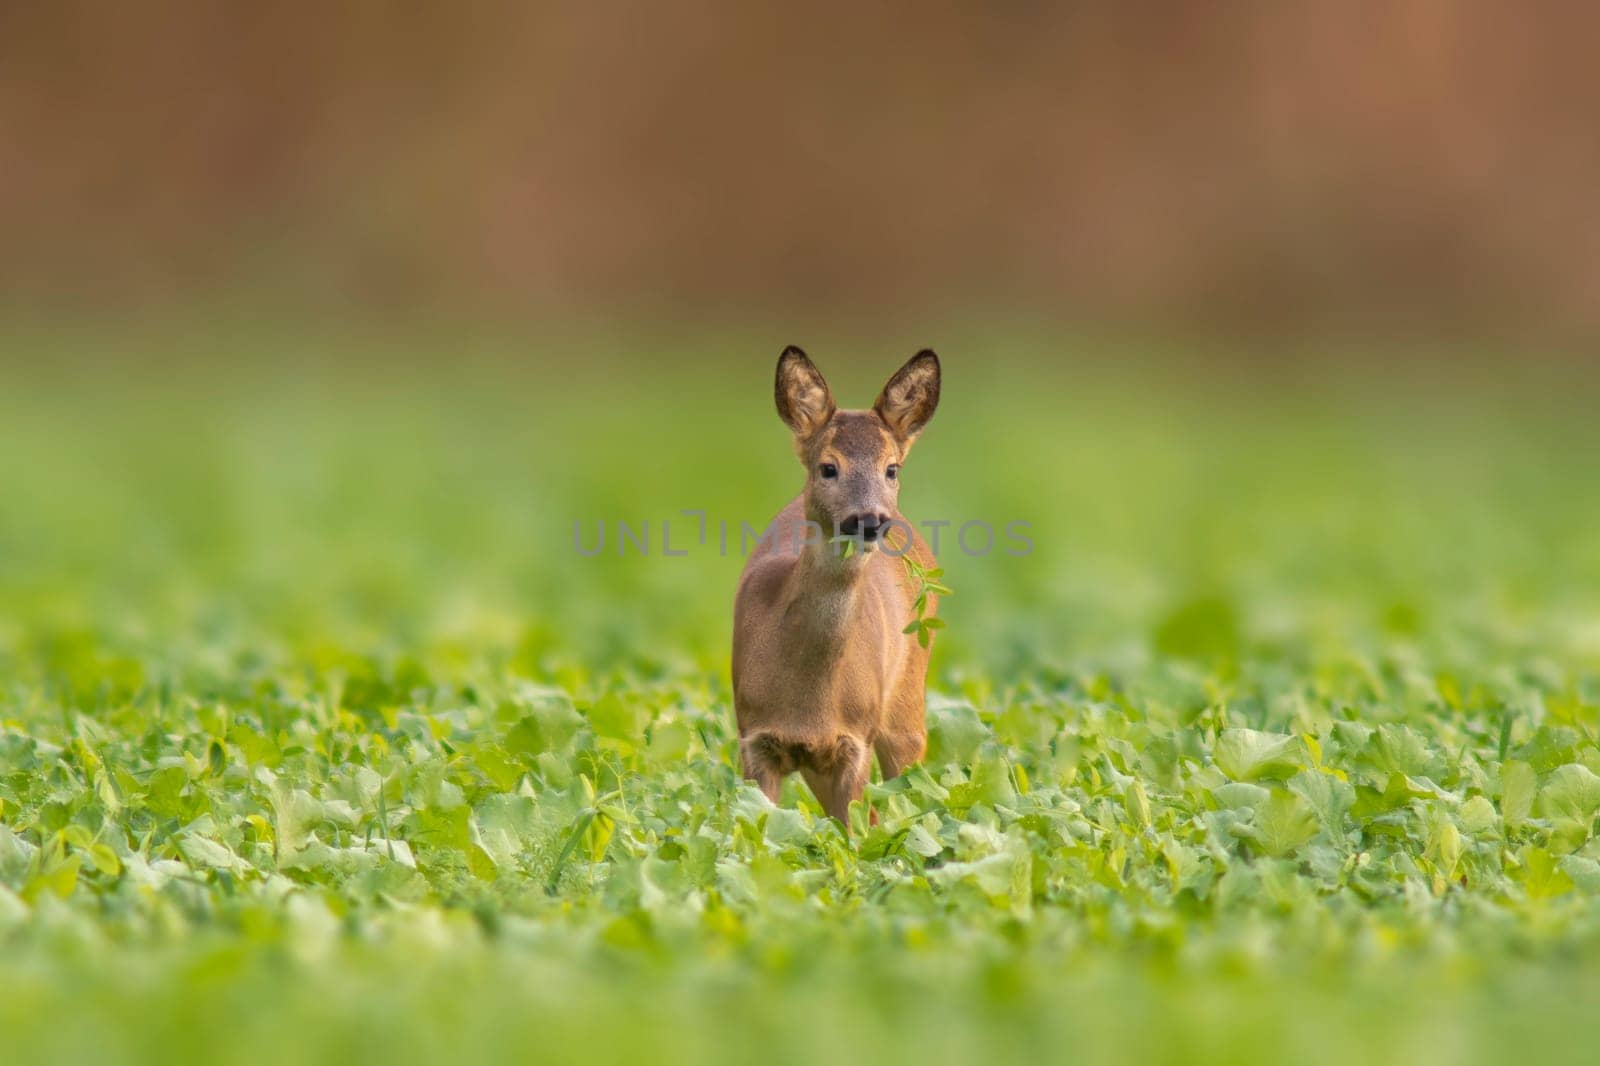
(851,526)
(870,526)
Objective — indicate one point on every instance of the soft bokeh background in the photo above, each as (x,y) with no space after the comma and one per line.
(1429,164)
(320,328)
(283,287)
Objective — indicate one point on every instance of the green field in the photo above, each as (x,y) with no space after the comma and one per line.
(320,742)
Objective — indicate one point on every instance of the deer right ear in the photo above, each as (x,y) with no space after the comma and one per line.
(804,402)
(911,396)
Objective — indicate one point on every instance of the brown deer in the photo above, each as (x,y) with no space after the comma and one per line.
(824,674)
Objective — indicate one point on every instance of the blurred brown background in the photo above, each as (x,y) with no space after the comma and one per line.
(1254,166)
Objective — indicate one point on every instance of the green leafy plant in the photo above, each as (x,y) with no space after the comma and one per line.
(927,581)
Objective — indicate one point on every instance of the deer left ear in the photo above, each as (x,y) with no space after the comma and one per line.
(908,401)
(804,402)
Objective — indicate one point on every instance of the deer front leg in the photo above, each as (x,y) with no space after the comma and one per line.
(838,776)
(896,751)
(764,761)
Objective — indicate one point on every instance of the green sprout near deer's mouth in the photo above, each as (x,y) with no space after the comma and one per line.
(928,580)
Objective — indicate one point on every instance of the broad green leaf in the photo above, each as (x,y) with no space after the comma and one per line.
(59,879)
(954,732)
(616,717)
(1237,794)
(1398,792)
(204,853)
(1402,750)
(1572,792)
(1249,755)
(16,854)
(1447,847)
(1478,816)
(1518,785)
(1284,823)
(1329,796)
(1541,874)
(105,860)
(920,842)
(164,794)
(1584,873)
(549,726)
(481,863)
(1137,804)
(297,812)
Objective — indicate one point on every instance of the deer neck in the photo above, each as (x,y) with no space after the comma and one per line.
(823,590)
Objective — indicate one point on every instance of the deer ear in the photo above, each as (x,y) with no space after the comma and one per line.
(804,402)
(908,401)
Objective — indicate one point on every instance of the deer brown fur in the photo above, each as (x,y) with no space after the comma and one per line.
(824,676)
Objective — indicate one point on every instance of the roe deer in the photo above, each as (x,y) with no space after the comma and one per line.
(823,673)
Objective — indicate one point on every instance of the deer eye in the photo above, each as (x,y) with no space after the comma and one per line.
(893,471)
(828,471)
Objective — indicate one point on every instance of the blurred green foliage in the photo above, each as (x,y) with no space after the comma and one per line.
(319,741)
